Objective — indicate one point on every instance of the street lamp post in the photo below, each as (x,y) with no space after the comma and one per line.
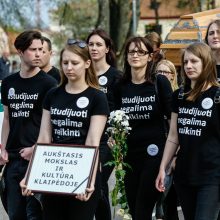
(134,17)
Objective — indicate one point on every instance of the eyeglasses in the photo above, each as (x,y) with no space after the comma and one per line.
(81,44)
(163,72)
(139,52)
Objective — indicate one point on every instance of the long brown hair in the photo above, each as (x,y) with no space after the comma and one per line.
(90,76)
(156,42)
(110,56)
(208,75)
(217,22)
(150,66)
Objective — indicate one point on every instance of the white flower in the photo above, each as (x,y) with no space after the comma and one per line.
(127,217)
(112,114)
(119,122)
(121,212)
(119,112)
(125,123)
(109,129)
(118,118)
(117,133)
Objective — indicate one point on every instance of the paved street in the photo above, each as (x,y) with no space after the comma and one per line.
(3,215)
(111,183)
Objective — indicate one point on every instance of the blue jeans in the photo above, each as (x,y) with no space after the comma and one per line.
(199,202)
(18,206)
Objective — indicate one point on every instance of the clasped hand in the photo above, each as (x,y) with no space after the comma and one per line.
(26,153)
(82,196)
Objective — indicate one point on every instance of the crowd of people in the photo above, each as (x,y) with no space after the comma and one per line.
(173,147)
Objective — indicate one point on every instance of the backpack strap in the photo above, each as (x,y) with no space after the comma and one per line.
(217,96)
(156,86)
(165,121)
(157,91)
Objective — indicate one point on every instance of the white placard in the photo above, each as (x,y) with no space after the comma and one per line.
(61,168)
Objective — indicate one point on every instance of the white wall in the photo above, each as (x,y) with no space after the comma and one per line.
(167,25)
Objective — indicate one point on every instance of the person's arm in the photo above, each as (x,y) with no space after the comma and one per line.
(4,136)
(165,92)
(171,146)
(44,137)
(97,125)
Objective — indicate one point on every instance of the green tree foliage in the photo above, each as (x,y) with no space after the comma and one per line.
(197,5)
(119,22)
(21,14)
(77,16)
(103,15)
(13,13)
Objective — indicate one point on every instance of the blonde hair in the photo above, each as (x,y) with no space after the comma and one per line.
(172,68)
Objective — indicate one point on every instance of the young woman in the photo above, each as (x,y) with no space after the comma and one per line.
(167,68)
(103,58)
(137,96)
(78,92)
(195,129)
(212,38)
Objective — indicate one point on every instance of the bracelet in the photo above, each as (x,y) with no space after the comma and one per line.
(172,142)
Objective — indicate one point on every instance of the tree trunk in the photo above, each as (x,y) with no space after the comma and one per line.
(119,24)
(103,20)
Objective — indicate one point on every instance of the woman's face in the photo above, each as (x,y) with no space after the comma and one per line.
(73,66)
(165,70)
(97,48)
(192,66)
(138,58)
(214,37)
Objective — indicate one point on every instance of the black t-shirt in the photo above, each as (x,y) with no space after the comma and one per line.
(198,125)
(146,110)
(71,113)
(55,73)
(218,72)
(107,82)
(24,98)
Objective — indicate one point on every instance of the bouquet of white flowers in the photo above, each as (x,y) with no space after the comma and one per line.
(117,132)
